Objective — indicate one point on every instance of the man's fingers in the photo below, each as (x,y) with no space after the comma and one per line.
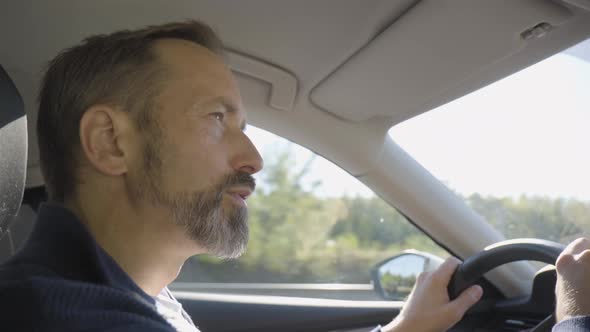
(466,300)
(564,261)
(577,246)
(446,269)
(573,252)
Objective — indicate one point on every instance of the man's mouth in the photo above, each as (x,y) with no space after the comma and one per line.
(240,194)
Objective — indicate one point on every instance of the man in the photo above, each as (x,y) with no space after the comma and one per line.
(146,164)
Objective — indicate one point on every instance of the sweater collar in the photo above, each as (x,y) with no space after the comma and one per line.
(64,245)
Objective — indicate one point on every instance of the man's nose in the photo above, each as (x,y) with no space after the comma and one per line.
(248,158)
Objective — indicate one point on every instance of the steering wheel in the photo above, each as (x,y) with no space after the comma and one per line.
(501,253)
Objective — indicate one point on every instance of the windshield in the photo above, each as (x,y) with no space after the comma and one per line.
(516,150)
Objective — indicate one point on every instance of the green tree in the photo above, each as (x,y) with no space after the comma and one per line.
(534,217)
(297,236)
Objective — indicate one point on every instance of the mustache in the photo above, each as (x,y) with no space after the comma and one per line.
(239,179)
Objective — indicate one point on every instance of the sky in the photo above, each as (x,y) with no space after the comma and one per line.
(335,181)
(526,134)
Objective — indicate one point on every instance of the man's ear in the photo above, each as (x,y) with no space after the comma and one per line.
(101,129)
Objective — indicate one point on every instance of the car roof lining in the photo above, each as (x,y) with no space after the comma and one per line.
(411,62)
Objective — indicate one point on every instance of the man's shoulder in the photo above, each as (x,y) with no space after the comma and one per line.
(32,297)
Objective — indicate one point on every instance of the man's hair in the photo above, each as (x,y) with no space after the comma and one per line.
(119,69)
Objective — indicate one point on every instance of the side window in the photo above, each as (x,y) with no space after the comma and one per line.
(315,231)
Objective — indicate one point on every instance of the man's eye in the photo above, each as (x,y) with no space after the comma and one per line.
(218,116)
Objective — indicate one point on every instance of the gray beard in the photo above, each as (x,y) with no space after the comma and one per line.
(221,233)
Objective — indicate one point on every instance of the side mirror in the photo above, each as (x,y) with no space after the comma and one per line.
(394,278)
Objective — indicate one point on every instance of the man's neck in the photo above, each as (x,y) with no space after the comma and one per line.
(146,244)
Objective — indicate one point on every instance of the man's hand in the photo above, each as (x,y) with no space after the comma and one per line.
(573,286)
(428,308)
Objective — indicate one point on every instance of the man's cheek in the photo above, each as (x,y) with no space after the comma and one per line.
(210,132)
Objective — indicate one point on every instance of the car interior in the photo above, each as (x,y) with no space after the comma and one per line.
(333,76)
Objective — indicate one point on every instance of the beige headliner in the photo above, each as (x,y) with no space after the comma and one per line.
(369,63)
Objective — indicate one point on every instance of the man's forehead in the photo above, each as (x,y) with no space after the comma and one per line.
(188,60)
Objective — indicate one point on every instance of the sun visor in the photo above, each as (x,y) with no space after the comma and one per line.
(430,49)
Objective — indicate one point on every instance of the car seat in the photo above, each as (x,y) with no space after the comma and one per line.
(13,152)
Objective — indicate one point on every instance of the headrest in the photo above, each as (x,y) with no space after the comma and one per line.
(13,151)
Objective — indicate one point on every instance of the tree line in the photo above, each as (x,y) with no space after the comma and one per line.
(297,236)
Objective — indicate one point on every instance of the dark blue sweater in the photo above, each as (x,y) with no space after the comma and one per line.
(62,280)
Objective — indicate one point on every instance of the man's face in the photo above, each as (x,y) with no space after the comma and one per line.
(196,162)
